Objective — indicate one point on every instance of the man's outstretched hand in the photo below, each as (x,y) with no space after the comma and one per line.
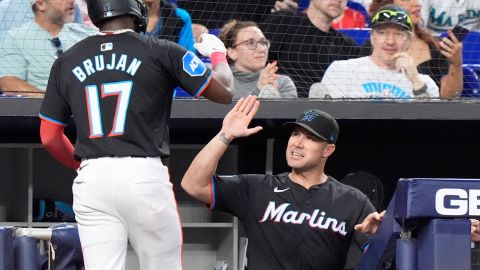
(370,224)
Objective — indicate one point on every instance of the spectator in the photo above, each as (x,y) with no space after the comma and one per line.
(389,72)
(215,13)
(14,13)
(167,21)
(441,15)
(350,18)
(29,51)
(302,219)
(198,30)
(247,51)
(441,60)
(304,44)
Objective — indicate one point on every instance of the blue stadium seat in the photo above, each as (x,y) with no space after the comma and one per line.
(303,4)
(471,48)
(471,80)
(359,35)
(215,31)
(178,92)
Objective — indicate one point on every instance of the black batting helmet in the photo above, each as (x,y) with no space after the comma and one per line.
(100,10)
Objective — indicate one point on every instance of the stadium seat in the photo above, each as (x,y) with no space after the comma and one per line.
(215,31)
(471,48)
(360,8)
(359,35)
(303,4)
(178,92)
(471,81)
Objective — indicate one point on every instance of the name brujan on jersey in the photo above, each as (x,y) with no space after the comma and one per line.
(315,220)
(97,63)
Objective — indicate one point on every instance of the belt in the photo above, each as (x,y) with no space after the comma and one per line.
(115,156)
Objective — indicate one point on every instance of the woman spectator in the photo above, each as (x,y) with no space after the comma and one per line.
(247,53)
(441,59)
(167,21)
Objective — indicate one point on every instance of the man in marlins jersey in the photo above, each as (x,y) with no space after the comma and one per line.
(298,220)
(118,85)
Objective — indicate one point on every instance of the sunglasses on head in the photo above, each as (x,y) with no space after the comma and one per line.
(392,16)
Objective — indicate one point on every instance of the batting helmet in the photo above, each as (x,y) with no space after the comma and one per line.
(101,10)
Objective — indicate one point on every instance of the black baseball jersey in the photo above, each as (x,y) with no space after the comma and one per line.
(290,227)
(119,89)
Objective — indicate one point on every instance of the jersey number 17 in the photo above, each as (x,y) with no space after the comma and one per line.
(122,90)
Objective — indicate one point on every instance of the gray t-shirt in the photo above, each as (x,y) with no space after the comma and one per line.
(361,78)
(245,83)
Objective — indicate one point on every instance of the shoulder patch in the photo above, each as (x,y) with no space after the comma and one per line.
(193,65)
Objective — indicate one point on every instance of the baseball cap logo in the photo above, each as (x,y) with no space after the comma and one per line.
(309,116)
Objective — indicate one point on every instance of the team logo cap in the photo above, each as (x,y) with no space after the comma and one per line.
(320,123)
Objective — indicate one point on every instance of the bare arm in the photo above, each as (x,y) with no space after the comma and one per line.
(16,86)
(198,176)
(220,88)
(451,85)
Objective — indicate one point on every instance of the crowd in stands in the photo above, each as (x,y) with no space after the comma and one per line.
(277,49)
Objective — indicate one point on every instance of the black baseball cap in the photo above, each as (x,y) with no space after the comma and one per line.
(392,14)
(320,123)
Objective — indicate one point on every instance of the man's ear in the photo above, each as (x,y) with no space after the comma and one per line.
(329,150)
(41,5)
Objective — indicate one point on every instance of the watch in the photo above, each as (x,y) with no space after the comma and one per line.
(421,90)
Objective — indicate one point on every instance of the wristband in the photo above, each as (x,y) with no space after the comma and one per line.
(420,90)
(218,57)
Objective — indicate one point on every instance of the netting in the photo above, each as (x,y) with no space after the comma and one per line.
(317,59)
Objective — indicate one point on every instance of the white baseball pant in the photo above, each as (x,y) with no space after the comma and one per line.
(117,199)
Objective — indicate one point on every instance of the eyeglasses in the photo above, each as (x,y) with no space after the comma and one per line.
(393,16)
(252,43)
(58,45)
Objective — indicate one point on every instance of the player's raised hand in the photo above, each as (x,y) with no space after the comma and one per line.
(209,44)
(370,224)
(235,124)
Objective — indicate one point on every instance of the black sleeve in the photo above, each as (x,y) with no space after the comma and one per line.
(352,49)
(358,238)
(188,70)
(55,107)
(274,28)
(232,193)
(366,48)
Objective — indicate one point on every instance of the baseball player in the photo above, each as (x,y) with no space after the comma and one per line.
(118,86)
(303,219)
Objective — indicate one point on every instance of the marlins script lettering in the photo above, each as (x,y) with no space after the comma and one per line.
(315,220)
